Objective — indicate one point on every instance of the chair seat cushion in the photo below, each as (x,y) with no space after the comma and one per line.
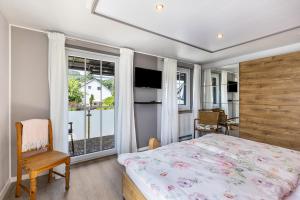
(45,160)
(206,127)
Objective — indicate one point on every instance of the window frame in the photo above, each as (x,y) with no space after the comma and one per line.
(104,57)
(187,71)
(218,89)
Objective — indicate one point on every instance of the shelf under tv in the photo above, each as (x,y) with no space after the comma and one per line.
(147,102)
(230,100)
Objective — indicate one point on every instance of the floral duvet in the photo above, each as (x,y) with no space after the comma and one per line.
(215,167)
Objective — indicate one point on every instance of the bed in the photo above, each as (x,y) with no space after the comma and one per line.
(214,166)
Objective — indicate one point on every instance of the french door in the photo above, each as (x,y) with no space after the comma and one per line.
(91,104)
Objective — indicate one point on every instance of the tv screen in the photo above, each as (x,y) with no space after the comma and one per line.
(232,86)
(147,78)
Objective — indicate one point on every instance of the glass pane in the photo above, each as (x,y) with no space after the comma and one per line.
(76,107)
(91,90)
(107,105)
(181,89)
(214,81)
(93,100)
(214,95)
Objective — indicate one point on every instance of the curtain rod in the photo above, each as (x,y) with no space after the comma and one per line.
(94,42)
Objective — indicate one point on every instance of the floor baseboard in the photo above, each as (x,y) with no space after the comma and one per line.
(25,177)
(5,189)
(143,149)
(185,137)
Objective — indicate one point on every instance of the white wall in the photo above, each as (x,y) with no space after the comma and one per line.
(29,81)
(4,103)
(145,114)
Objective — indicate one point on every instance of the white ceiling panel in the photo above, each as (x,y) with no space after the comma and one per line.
(197,22)
(192,21)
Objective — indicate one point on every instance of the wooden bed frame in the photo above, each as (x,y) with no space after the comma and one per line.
(130,190)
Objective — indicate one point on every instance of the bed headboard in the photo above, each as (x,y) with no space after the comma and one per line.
(270,100)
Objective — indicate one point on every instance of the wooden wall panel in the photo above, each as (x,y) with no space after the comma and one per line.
(270,100)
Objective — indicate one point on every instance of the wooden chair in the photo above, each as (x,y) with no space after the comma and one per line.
(37,161)
(223,121)
(207,122)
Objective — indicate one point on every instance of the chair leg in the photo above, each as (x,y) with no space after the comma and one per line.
(50,175)
(67,178)
(194,136)
(32,187)
(19,180)
(73,150)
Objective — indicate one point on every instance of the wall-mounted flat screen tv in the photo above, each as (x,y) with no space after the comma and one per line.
(147,78)
(232,86)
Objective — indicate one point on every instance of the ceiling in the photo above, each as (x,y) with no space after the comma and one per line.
(185,30)
(197,22)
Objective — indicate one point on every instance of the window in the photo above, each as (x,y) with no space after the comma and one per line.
(91,110)
(183,88)
(215,80)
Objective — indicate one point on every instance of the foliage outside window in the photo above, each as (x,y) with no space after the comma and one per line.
(74,93)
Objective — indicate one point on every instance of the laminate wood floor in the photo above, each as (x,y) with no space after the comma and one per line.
(97,179)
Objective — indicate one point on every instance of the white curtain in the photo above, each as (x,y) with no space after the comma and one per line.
(207,90)
(169,118)
(196,91)
(126,135)
(57,77)
(224,94)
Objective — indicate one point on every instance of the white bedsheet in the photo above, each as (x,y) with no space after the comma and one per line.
(215,167)
(148,193)
(295,195)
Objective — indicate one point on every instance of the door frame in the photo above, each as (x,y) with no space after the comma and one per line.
(101,57)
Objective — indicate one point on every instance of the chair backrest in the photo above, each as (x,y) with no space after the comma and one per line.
(222,117)
(19,129)
(209,118)
(217,110)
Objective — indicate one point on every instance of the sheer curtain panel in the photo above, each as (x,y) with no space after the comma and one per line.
(169,118)
(57,77)
(126,134)
(207,90)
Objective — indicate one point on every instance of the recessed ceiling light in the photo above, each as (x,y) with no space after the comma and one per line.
(220,36)
(159,7)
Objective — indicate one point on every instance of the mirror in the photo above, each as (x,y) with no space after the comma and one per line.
(220,91)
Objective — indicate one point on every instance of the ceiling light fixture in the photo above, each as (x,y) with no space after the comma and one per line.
(220,36)
(159,7)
